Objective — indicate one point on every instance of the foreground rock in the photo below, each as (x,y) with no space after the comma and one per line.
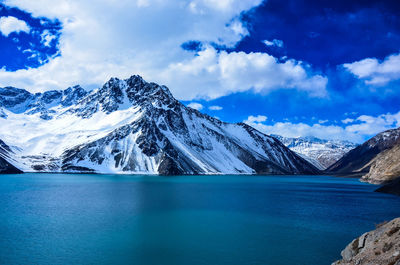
(380,246)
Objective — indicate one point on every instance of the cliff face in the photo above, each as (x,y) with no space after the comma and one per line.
(385,166)
(380,246)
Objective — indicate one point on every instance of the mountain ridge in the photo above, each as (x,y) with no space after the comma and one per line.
(132,126)
(321,153)
(376,159)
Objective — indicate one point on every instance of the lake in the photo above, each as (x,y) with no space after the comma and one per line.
(119,219)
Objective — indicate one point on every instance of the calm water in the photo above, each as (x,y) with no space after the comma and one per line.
(110,219)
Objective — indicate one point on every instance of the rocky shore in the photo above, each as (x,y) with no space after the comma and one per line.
(380,246)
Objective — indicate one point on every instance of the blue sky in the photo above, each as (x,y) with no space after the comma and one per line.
(329,69)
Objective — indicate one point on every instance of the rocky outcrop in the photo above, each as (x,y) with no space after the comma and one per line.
(380,246)
(384,167)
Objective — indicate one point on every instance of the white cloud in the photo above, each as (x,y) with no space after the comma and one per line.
(215,108)
(144,37)
(238,28)
(12,24)
(366,127)
(347,120)
(130,37)
(274,42)
(195,105)
(256,119)
(322,121)
(238,72)
(47,38)
(374,72)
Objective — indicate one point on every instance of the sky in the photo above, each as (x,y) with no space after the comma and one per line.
(329,69)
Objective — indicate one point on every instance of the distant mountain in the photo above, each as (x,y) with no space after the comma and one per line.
(132,126)
(378,159)
(321,153)
(5,166)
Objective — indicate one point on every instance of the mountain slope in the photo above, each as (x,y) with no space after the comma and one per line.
(321,153)
(131,126)
(377,158)
(5,166)
(385,166)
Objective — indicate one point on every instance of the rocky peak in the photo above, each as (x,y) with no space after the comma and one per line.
(384,139)
(13,99)
(72,95)
(138,91)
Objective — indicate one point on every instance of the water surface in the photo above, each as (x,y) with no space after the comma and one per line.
(114,219)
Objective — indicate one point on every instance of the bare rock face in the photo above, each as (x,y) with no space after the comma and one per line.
(385,166)
(380,246)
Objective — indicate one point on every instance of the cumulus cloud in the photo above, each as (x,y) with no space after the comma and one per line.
(238,72)
(12,24)
(145,37)
(274,42)
(365,126)
(47,38)
(215,108)
(195,105)
(255,119)
(347,120)
(130,37)
(374,72)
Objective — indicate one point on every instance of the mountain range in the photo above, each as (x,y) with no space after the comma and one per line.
(321,153)
(134,127)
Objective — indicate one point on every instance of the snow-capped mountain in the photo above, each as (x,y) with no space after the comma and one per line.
(321,153)
(131,126)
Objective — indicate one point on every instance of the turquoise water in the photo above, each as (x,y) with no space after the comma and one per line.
(113,219)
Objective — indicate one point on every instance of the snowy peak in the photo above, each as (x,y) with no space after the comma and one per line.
(319,152)
(21,101)
(384,139)
(136,127)
(117,94)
